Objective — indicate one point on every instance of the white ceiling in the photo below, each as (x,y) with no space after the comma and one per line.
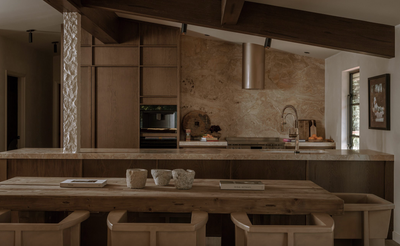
(17,16)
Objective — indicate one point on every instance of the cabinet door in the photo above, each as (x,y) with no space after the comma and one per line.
(117,115)
(86,108)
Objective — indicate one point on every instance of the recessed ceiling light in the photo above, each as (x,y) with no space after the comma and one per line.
(306,52)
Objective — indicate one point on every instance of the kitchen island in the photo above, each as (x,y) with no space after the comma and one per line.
(363,171)
(334,170)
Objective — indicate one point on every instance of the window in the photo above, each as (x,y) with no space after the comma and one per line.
(354,111)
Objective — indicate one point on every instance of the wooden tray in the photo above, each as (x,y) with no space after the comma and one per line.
(316,140)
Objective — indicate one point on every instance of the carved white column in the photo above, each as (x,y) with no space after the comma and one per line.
(71,82)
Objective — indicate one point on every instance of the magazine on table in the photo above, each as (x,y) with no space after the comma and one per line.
(241,185)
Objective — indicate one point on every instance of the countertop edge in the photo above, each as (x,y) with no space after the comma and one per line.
(195,154)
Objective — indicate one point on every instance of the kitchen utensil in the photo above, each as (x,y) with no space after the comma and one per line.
(304,129)
(313,129)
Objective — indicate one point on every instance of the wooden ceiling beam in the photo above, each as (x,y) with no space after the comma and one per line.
(267,21)
(102,24)
(230,11)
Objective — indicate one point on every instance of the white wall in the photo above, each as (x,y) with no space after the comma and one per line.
(37,67)
(335,96)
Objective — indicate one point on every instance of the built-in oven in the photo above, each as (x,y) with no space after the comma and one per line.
(158,126)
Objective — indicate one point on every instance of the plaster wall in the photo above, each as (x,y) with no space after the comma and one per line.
(37,67)
(211,81)
(336,91)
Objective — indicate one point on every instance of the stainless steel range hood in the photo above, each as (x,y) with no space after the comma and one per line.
(253,67)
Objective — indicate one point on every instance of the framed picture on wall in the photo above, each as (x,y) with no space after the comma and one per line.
(379,102)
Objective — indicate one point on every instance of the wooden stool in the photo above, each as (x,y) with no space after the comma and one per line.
(366,217)
(65,233)
(122,233)
(319,232)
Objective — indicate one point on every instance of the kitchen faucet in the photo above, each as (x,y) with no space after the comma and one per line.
(296,126)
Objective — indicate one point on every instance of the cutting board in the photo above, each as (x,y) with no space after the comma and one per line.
(198,122)
(304,129)
(313,128)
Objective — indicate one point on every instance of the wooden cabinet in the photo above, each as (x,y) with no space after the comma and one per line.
(159,68)
(109,91)
(116,107)
(116,79)
(159,63)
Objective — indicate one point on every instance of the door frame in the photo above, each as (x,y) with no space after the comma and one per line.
(21,107)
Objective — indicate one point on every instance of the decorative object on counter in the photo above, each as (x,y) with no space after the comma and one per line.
(315,138)
(161,176)
(183,179)
(208,138)
(241,185)
(214,129)
(136,178)
(198,122)
(83,183)
(379,102)
(187,134)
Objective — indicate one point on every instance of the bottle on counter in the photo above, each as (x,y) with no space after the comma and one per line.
(313,128)
(188,134)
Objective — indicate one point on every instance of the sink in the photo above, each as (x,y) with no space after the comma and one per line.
(291,151)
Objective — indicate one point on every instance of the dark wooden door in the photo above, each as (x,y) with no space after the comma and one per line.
(12,112)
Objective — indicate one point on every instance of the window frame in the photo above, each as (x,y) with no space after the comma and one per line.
(350,111)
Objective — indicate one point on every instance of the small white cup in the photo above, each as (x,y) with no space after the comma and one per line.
(161,176)
(136,178)
(183,179)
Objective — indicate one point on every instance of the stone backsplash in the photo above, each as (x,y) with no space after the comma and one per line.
(211,81)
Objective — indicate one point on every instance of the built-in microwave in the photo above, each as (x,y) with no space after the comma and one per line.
(158,117)
(155,121)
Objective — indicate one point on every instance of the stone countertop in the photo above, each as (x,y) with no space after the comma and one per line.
(224,144)
(311,144)
(195,154)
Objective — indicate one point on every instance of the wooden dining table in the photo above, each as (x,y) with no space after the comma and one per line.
(279,197)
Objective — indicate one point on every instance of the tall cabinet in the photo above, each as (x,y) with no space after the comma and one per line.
(144,69)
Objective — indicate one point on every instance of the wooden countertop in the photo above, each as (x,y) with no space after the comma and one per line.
(195,154)
(279,197)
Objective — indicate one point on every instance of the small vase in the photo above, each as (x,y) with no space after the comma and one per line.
(183,179)
(136,178)
(161,176)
